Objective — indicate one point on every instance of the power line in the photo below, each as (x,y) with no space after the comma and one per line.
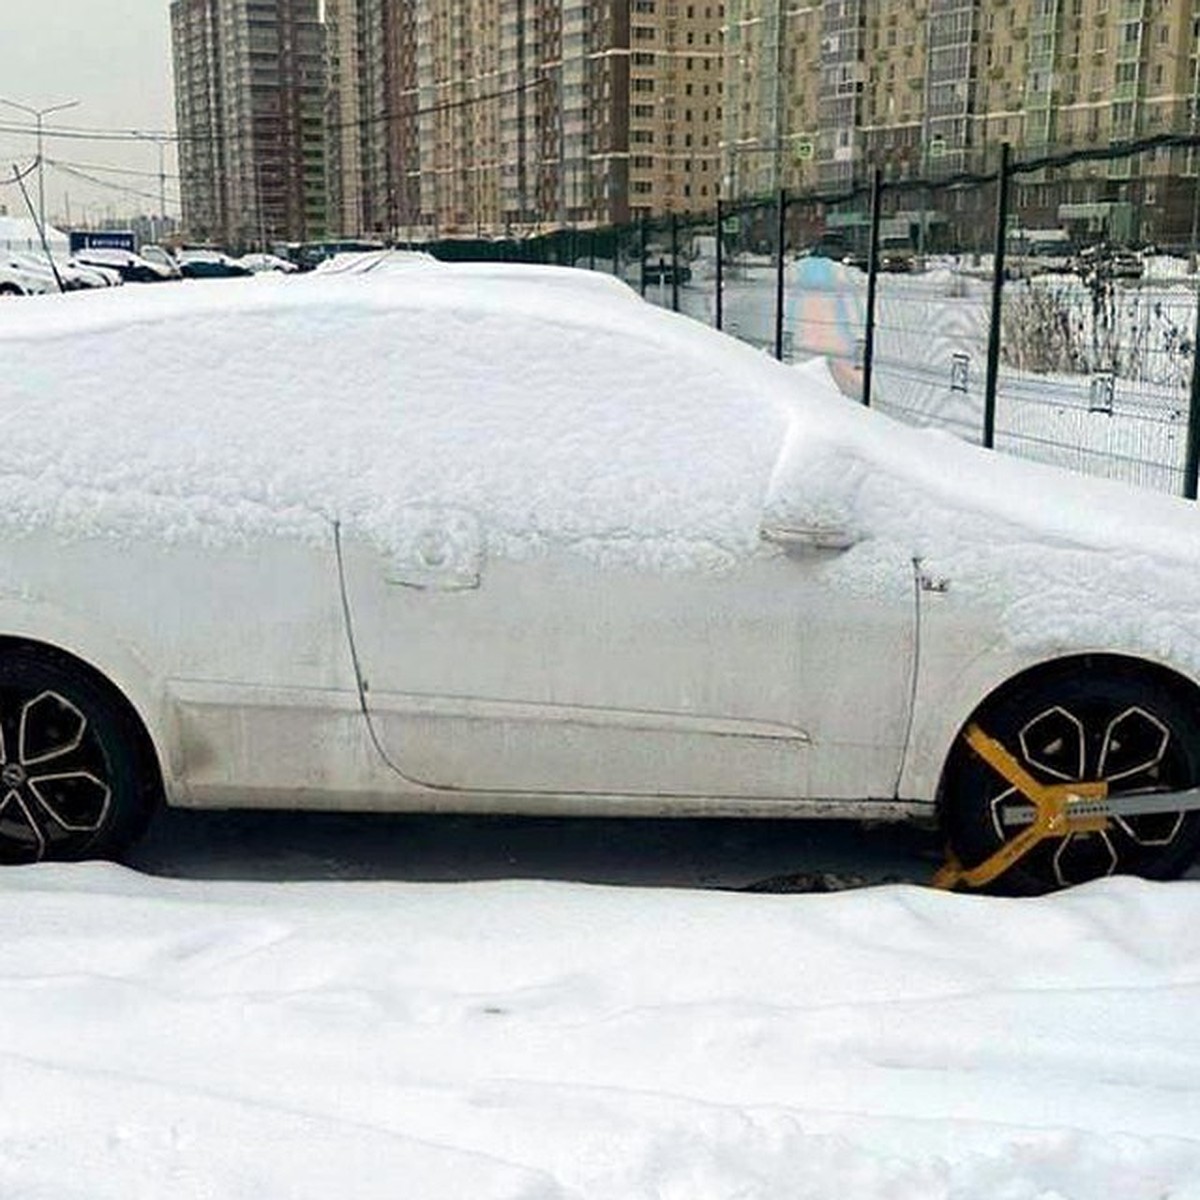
(105,183)
(129,135)
(54,162)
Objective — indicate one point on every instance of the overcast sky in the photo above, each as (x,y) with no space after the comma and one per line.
(114,57)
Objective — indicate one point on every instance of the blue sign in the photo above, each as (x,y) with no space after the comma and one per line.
(102,239)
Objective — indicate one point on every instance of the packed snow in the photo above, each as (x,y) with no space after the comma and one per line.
(566,413)
(541,1041)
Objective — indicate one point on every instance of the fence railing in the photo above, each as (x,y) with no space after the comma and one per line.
(1046,306)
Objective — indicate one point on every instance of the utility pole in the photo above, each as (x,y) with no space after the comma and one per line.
(161,143)
(38,114)
(1194,151)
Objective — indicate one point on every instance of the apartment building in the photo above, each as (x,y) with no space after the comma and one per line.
(489,117)
(250,94)
(818,93)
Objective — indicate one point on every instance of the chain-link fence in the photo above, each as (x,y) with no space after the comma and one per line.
(1046,307)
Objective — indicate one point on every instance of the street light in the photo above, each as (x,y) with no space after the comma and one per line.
(38,114)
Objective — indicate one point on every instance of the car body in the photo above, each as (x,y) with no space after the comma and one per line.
(1104,261)
(90,274)
(210,264)
(660,269)
(435,538)
(132,268)
(19,277)
(15,282)
(898,256)
(161,258)
(260,262)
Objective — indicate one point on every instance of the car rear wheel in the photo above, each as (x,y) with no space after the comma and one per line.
(76,776)
(10,289)
(1091,719)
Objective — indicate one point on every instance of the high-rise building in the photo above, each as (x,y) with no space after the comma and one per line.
(820,92)
(485,117)
(250,94)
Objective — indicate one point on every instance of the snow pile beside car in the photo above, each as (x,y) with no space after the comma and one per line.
(532,1041)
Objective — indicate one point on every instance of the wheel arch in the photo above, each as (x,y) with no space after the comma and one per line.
(981,684)
(128,690)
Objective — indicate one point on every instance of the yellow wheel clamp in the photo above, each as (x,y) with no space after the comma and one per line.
(1059,809)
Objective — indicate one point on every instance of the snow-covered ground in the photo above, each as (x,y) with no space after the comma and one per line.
(543,1040)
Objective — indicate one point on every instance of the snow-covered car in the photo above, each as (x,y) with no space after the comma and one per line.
(74,275)
(132,268)
(19,276)
(161,258)
(261,262)
(432,539)
(89,274)
(209,264)
(13,283)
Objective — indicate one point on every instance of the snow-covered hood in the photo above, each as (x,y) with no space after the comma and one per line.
(1062,559)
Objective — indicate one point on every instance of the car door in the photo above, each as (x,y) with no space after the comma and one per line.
(577,599)
(559,676)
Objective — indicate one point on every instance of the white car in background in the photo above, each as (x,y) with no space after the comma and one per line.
(446,539)
(19,278)
(260,263)
(132,268)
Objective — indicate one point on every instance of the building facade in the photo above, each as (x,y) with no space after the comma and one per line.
(508,117)
(250,98)
(818,93)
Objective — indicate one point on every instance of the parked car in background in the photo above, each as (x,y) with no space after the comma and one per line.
(27,275)
(898,255)
(132,268)
(260,263)
(17,281)
(161,258)
(1105,261)
(660,269)
(91,274)
(73,275)
(210,264)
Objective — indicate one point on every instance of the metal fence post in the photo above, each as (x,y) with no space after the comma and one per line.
(780,238)
(674,262)
(1191,469)
(719,310)
(872,285)
(643,242)
(993,354)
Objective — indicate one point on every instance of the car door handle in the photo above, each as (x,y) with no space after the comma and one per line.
(436,548)
(836,538)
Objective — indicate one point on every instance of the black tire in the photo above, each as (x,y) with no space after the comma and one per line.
(10,289)
(77,779)
(1092,718)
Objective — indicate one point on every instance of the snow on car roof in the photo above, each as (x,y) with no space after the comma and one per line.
(569,415)
(562,414)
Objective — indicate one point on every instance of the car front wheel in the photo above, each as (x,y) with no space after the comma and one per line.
(1087,720)
(76,776)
